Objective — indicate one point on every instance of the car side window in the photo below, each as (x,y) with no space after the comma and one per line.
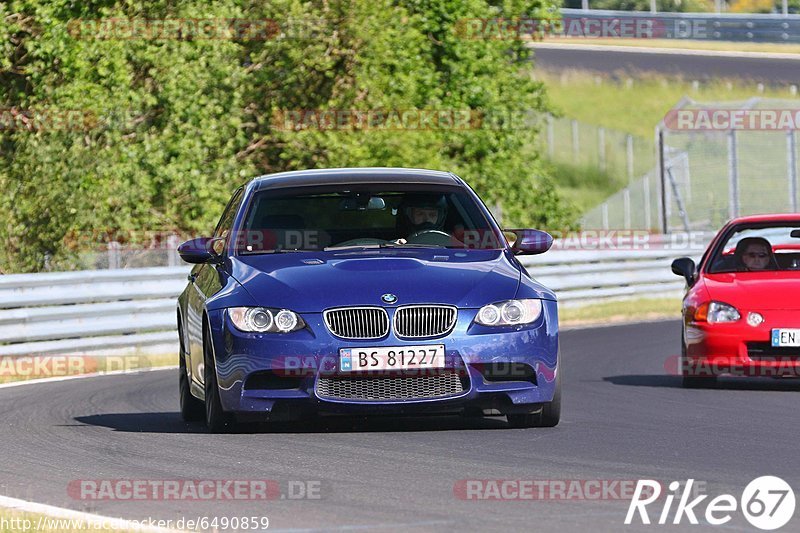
(226,220)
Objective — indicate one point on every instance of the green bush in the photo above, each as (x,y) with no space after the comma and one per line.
(182,122)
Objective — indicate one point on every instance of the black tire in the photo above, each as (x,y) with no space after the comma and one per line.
(192,409)
(689,381)
(548,417)
(217,420)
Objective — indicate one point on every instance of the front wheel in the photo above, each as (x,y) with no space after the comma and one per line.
(192,409)
(217,420)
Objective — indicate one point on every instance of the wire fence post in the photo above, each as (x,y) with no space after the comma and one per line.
(114,248)
(626,207)
(733,176)
(629,156)
(601,148)
(791,165)
(576,147)
(662,189)
(604,215)
(172,251)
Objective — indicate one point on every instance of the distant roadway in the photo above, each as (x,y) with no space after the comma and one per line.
(768,68)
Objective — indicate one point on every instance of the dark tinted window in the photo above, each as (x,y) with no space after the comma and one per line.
(225,223)
(319,218)
(761,248)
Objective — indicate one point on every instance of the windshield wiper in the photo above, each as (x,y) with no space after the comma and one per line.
(410,245)
(352,247)
(276,251)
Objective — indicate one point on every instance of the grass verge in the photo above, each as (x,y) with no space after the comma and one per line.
(620,311)
(636,106)
(582,186)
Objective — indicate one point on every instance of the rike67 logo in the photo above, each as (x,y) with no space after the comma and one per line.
(768,503)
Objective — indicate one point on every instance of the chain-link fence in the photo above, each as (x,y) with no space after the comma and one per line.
(715,162)
(619,154)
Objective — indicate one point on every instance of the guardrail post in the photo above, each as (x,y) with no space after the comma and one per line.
(114,254)
(791,163)
(733,176)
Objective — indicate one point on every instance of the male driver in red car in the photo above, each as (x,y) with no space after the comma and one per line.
(755,253)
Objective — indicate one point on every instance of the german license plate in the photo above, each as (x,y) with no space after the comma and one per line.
(391,358)
(786,337)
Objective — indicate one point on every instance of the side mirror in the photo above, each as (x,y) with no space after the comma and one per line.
(685,267)
(531,242)
(200,250)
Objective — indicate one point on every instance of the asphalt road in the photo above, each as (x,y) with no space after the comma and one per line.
(624,418)
(633,61)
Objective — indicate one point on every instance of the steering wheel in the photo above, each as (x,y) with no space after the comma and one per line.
(430,231)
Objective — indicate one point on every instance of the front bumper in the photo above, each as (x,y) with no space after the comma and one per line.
(740,349)
(510,369)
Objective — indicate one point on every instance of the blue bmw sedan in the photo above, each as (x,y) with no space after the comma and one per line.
(372,291)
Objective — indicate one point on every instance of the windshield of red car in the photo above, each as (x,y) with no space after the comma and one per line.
(755,249)
(343,216)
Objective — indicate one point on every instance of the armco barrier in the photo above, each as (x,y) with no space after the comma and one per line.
(100,311)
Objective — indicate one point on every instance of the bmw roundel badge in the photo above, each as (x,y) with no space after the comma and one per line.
(389,298)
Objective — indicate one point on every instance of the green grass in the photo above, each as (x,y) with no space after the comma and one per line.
(620,311)
(12,370)
(637,105)
(582,186)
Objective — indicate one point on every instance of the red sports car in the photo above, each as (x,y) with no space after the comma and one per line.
(741,312)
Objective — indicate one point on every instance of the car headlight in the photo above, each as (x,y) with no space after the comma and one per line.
(509,313)
(265,320)
(716,313)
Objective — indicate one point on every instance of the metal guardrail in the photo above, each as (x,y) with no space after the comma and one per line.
(746,27)
(586,276)
(100,311)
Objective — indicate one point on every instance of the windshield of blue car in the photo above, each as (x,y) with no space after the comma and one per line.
(344,217)
(754,249)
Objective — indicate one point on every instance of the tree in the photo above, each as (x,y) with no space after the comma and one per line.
(170,126)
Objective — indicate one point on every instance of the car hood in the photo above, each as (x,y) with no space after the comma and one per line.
(756,290)
(311,282)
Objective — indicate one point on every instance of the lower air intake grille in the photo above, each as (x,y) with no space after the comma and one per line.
(391,388)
